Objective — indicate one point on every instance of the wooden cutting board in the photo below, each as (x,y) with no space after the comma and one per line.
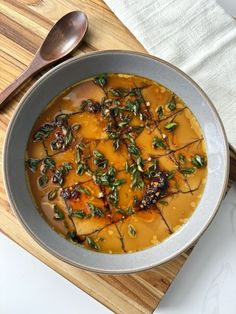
(23,25)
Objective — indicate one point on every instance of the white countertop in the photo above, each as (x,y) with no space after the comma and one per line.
(206,284)
(27,286)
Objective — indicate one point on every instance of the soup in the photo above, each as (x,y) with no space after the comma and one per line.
(116,163)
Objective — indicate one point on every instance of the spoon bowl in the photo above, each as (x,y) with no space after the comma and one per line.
(62,39)
(64,36)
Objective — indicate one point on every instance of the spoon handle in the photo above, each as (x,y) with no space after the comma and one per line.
(29,71)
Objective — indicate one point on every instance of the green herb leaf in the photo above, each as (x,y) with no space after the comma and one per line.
(158,143)
(58,213)
(171,175)
(32,163)
(121,211)
(133,150)
(95,211)
(199,161)
(171,126)
(105,178)
(123,123)
(79,214)
(118,182)
(43,132)
(85,104)
(113,197)
(99,159)
(136,91)
(137,128)
(81,167)
(119,92)
(101,80)
(68,137)
(49,162)
(182,159)
(160,112)
(81,189)
(132,231)
(136,177)
(61,120)
(130,211)
(92,243)
(61,172)
(187,171)
(52,195)
(67,167)
(172,104)
(133,106)
(152,170)
(43,180)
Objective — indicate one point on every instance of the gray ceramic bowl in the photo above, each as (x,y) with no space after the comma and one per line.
(67,74)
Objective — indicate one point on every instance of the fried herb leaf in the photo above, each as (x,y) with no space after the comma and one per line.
(81,189)
(136,91)
(92,243)
(49,162)
(100,160)
(134,150)
(152,170)
(158,143)
(199,161)
(67,167)
(121,211)
(58,213)
(61,120)
(78,214)
(81,168)
(172,104)
(137,128)
(136,177)
(61,172)
(160,112)
(171,126)
(132,231)
(187,171)
(101,80)
(171,175)
(95,211)
(45,130)
(182,159)
(32,163)
(52,195)
(118,92)
(68,138)
(43,180)
(130,211)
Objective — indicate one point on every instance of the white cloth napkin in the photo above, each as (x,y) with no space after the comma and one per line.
(198,36)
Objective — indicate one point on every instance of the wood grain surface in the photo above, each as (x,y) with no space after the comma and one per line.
(23,26)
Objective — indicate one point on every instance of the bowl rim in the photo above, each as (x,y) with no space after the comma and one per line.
(44,245)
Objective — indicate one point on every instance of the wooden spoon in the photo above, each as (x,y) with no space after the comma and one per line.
(64,36)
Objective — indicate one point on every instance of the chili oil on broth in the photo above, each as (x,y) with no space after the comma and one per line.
(116,163)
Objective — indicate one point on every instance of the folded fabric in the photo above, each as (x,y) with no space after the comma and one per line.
(197,36)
